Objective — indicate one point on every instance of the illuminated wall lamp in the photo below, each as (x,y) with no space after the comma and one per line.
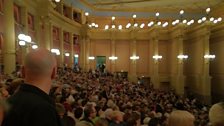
(182,56)
(76,55)
(34,46)
(134,57)
(91,57)
(209,56)
(22,43)
(67,54)
(56,51)
(157,57)
(113,58)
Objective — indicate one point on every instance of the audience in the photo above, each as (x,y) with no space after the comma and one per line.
(98,98)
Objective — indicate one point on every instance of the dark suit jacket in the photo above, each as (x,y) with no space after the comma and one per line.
(30,106)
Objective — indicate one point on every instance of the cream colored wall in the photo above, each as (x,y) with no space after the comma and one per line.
(216,66)
(143,62)
(164,64)
(123,54)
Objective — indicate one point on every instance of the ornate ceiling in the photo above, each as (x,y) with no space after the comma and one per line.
(145,8)
(150,5)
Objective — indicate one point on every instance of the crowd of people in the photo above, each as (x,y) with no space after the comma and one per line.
(98,98)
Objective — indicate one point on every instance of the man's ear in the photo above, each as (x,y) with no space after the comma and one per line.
(54,73)
(23,72)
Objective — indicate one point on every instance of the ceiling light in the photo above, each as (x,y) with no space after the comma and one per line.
(134,16)
(199,21)
(204,19)
(136,25)
(159,23)
(208,10)
(106,27)
(128,25)
(113,26)
(181,12)
(184,21)
(215,21)
(165,24)
(192,21)
(177,21)
(120,27)
(142,25)
(157,14)
(173,23)
(219,19)
(189,23)
(96,25)
(86,14)
(212,19)
(57,1)
(90,26)
(113,18)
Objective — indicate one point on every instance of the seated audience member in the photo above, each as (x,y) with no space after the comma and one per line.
(134,120)
(216,114)
(3,109)
(68,121)
(154,122)
(60,110)
(89,114)
(181,118)
(78,113)
(117,119)
(101,122)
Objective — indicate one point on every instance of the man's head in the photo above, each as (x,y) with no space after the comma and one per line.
(90,111)
(216,114)
(40,66)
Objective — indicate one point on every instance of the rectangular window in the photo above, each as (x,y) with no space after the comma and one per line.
(30,21)
(17,14)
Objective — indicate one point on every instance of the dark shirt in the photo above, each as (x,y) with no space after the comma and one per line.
(30,106)
(87,120)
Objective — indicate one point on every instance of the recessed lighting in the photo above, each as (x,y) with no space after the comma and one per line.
(86,14)
(182,12)
(208,10)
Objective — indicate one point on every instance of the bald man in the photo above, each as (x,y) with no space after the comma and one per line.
(31,105)
(216,114)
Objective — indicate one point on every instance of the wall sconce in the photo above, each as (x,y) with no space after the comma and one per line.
(182,56)
(55,51)
(34,46)
(91,58)
(23,39)
(113,58)
(157,57)
(134,57)
(76,55)
(209,56)
(67,54)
